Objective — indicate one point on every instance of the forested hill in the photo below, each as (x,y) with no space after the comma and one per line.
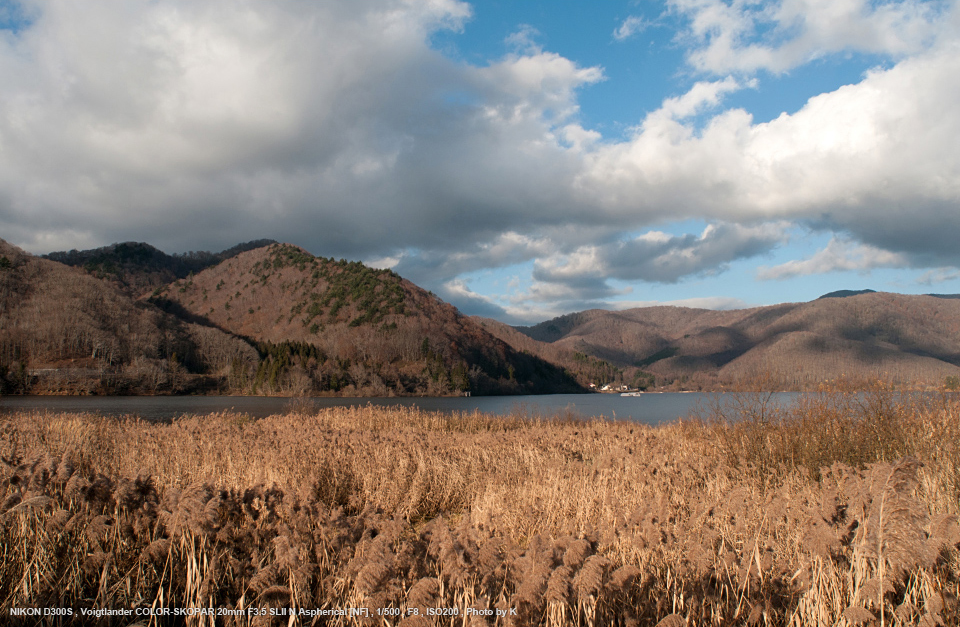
(268,318)
(368,331)
(256,319)
(253,319)
(137,267)
(64,331)
(913,339)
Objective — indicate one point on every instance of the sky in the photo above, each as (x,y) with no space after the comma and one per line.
(520,159)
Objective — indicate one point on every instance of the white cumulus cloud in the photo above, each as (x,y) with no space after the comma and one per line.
(779,36)
(631,26)
(838,256)
(875,159)
(337,126)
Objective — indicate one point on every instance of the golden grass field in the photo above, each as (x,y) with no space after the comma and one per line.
(841,510)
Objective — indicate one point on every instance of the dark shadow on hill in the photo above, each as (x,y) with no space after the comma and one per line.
(542,377)
(138,266)
(555,329)
(180,312)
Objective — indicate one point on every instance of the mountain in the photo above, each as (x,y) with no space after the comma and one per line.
(272,318)
(65,331)
(138,267)
(585,368)
(255,319)
(868,335)
(846,293)
(342,327)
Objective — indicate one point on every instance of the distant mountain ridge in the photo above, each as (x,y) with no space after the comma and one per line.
(272,318)
(846,293)
(856,335)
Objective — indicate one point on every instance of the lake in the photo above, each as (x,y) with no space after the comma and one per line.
(652,409)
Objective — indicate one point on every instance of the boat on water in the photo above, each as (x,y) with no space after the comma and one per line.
(632,394)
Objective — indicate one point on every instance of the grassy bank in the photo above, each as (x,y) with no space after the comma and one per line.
(841,511)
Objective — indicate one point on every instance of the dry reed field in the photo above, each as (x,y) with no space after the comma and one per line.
(840,510)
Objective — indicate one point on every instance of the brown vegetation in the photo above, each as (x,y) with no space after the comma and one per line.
(840,512)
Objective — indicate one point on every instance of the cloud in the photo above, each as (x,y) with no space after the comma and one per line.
(720,303)
(631,26)
(874,160)
(580,278)
(336,126)
(458,294)
(383,263)
(838,256)
(652,257)
(669,259)
(524,40)
(333,125)
(779,36)
(507,249)
(703,95)
(938,275)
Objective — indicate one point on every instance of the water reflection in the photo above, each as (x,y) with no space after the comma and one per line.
(647,409)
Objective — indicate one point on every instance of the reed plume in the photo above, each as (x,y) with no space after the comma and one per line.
(568,522)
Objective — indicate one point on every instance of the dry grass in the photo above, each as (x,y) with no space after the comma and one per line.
(753,522)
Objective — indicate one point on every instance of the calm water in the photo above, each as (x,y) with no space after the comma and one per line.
(649,408)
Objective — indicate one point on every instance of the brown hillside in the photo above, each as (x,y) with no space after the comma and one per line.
(908,338)
(62,330)
(585,368)
(371,331)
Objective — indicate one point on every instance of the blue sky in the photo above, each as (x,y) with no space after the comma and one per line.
(520,159)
